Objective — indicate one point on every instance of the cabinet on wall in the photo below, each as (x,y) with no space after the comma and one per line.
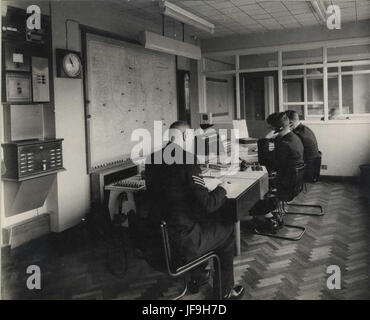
(30,159)
(32,155)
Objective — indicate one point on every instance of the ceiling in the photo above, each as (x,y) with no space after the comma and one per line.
(238,17)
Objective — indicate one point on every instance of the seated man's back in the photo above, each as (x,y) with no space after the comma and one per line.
(308,138)
(179,197)
(286,156)
(288,153)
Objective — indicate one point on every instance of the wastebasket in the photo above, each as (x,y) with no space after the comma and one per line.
(365,180)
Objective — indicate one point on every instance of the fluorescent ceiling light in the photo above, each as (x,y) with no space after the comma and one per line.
(319,8)
(160,43)
(169,9)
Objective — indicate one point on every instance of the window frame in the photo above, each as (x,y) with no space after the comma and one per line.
(362,59)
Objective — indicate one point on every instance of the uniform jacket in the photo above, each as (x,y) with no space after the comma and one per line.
(288,152)
(309,142)
(179,196)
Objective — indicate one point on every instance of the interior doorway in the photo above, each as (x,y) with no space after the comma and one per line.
(259,95)
(183,95)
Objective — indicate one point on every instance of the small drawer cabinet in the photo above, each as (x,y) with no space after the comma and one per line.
(28,159)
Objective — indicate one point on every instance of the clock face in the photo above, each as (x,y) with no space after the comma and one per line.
(72,65)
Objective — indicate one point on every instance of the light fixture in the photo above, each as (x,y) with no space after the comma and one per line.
(169,9)
(319,8)
(160,43)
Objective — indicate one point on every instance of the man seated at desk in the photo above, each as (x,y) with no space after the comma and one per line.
(311,151)
(178,195)
(288,153)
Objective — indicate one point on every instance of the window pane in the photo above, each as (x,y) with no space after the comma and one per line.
(292,72)
(293,90)
(315,87)
(302,56)
(220,64)
(356,68)
(333,92)
(333,69)
(315,109)
(253,61)
(356,93)
(348,53)
(298,108)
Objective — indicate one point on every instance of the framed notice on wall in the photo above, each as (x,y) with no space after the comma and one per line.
(219,95)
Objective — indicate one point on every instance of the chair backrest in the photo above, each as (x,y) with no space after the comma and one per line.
(313,168)
(291,183)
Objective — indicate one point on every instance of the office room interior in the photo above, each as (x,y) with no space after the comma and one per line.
(78,84)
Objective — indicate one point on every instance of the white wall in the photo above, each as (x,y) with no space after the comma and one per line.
(345,146)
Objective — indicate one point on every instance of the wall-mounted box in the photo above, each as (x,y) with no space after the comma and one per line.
(33,158)
(18,87)
(40,79)
(16,59)
(26,122)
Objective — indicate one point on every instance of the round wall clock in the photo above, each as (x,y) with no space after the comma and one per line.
(69,64)
(72,65)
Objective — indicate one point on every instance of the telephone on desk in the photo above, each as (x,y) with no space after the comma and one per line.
(245,166)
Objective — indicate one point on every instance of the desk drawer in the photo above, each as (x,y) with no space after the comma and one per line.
(239,208)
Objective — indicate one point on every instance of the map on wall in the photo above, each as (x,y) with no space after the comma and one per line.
(128,87)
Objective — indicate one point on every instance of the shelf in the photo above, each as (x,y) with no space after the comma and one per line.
(35,176)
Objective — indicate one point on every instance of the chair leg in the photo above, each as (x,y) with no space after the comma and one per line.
(217,285)
(183,292)
(281,210)
(313,214)
(271,235)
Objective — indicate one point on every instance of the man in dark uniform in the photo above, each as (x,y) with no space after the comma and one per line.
(308,138)
(179,197)
(287,154)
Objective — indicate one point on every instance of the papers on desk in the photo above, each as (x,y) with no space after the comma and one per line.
(235,187)
(211,183)
(249,174)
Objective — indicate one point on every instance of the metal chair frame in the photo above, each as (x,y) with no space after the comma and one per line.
(312,214)
(289,226)
(180,271)
(281,210)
